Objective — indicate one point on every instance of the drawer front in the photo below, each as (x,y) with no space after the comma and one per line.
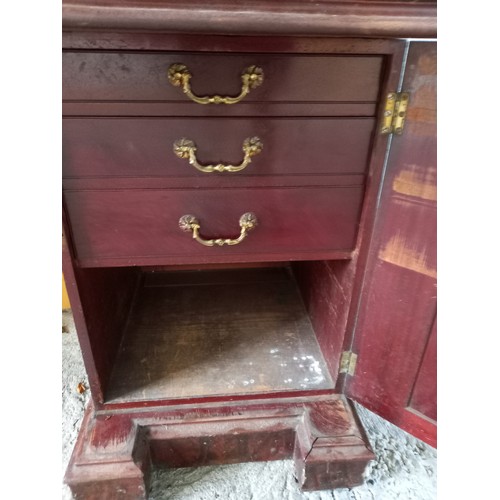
(128,76)
(95,147)
(138,225)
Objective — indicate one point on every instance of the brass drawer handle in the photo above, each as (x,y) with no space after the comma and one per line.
(190,223)
(179,76)
(186,149)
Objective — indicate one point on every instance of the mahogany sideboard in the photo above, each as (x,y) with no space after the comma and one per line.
(249,232)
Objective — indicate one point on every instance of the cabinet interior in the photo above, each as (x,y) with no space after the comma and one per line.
(218,332)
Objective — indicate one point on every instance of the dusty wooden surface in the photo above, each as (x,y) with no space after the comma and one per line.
(222,335)
(114,452)
(287,78)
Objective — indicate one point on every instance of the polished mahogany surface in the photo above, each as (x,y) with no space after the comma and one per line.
(142,147)
(142,76)
(140,227)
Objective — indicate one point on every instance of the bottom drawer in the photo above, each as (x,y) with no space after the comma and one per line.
(141,226)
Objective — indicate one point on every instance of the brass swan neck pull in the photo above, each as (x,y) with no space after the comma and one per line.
(190,223)
(179,76)
(186,149)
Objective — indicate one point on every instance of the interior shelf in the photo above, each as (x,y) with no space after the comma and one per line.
(217,333)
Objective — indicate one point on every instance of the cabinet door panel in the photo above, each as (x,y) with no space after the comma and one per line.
(424,398)
(395,337)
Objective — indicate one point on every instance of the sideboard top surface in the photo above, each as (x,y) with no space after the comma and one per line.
(389,18)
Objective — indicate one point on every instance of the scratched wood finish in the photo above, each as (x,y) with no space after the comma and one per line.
(129,76)
(114,453)
(323,437)
(144,147)
(185,42)
(217,333)
(399,296)
(137,224)
(393,18)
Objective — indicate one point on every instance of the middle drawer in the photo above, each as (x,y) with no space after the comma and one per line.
(144,147)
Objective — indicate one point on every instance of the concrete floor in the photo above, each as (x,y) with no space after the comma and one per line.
(405,468)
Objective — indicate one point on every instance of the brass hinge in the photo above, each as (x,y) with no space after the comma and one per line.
(394,117)
(348,362)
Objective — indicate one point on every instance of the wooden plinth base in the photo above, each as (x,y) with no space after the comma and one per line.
(114,452)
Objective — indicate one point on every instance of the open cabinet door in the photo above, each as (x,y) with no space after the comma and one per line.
(395,333)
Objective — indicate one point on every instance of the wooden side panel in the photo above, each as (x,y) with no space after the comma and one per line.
(327,301)
(398,302)
(100,301)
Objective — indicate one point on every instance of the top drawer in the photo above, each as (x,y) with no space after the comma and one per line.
(130,76)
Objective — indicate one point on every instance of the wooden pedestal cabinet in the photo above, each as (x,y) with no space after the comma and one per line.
(249,233)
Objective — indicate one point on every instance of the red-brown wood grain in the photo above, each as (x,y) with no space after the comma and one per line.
(361,256)
(142,76)
(137,224)
(331,288)
(327,303)
(398,301)
(392,18)
(392,371)
(186,109)
(424,396)
(115,451)
(203,181)
(186,42)
(100,302)
(94,147)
